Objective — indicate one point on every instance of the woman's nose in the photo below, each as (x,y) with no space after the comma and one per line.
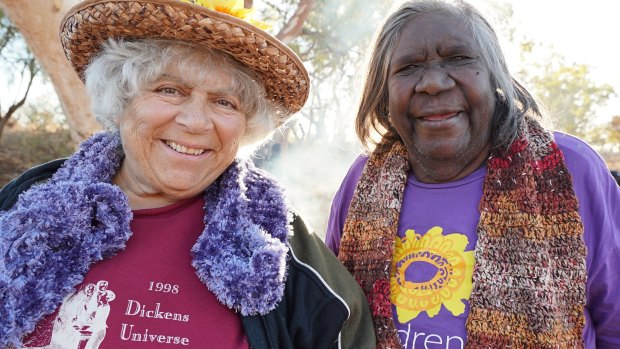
(433,80)
(196,115)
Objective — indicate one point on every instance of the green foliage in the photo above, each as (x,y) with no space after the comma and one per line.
(569,93)
(614,130)
(566,89)
(7,31)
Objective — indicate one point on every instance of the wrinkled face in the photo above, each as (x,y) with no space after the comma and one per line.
(440,98)
(179,134)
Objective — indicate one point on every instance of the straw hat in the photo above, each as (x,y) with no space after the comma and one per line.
(92,22)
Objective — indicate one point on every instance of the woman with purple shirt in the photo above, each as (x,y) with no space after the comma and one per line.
(468,224)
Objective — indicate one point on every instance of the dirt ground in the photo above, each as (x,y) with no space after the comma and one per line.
(21,149)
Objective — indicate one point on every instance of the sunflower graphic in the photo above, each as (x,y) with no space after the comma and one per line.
(449,286)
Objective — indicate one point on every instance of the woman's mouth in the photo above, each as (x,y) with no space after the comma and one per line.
(183,149)
(438,116)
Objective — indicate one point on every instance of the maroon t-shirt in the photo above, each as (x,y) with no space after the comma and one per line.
(147,296)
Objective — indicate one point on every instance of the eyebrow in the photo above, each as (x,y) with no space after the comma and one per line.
(409,56)
(220,89)
(456,47)
(446,48)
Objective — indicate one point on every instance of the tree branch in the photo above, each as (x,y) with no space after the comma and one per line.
(292,28)
(8,32)
(33,70)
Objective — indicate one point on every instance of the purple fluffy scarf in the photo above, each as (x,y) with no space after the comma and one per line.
(58,229)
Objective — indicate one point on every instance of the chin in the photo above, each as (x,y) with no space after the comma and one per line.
(444,152)
(181,194)
(182,189)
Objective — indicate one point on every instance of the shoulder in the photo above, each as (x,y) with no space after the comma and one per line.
(597,192)
(576,151)
(355,171)
(593,182)
(587,168)
(316,272)
(347,187)
(340,203)
(310,256)
(10,192)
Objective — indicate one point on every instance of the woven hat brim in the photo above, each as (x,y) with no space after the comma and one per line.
(87,25)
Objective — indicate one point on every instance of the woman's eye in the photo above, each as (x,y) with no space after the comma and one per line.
(226,103)
(411,68)
(460,60)
(168,91)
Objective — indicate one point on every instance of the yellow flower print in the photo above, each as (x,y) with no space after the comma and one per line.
(449,286)
(231,7)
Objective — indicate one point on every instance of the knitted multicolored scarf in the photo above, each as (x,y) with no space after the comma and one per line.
(529,278)
(59,228)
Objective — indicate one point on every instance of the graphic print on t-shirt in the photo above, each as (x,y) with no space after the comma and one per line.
(430,271)
(81,320)
(157,299)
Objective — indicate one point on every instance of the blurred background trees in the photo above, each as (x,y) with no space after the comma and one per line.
(311,154)
(570,94)
(29,126)
(16,57)
(38,22)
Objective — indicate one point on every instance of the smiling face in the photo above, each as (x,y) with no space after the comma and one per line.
(178,134)
(440,97)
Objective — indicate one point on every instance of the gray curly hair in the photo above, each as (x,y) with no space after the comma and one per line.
(114,77)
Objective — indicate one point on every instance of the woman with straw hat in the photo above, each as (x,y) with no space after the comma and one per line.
(199,247)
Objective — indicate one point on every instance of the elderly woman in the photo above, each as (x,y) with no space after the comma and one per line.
(198,248)
(469,225)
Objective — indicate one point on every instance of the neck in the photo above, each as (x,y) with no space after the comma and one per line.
(427,170)
(138,196)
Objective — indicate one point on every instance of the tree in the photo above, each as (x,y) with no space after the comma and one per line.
(614,129)
(24,63)
(38,22)
(332,43)
(566,89)
(607,139)
(569,93)
(293,26)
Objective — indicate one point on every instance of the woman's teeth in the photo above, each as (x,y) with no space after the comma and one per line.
(183,149)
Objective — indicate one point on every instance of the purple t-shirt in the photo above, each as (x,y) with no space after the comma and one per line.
(437,231)
(147,296)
